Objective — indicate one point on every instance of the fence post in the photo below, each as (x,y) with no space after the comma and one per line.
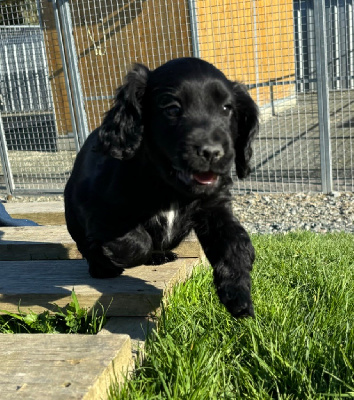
(194,27)
(65,70)
(5,162)
(322,95)
(73,69)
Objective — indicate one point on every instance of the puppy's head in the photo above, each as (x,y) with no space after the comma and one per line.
(197,123)
(191,119)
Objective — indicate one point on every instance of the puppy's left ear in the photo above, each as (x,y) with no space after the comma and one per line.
(245,126)
(121,131)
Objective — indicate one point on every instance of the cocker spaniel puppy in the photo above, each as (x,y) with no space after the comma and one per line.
(158,167)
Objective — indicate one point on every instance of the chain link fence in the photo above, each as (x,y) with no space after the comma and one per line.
(59,69)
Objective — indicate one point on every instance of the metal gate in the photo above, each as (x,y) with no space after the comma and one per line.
(29,142)
(25,93)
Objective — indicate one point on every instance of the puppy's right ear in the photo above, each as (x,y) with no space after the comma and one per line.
(122,129)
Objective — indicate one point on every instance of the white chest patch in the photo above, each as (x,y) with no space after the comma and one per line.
(170,217)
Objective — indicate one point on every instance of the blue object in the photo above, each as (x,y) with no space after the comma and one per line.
(7,220)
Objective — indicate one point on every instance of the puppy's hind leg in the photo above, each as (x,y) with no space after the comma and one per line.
(76,231)
(108,259)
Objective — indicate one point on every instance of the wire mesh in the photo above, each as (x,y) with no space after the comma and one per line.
(268,45)
(340,24)
(38,151)
(110,36)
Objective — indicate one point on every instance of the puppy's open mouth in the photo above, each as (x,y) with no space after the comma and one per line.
(201,178)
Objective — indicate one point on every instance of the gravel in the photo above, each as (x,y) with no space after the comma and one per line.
(281,212)
(288,212)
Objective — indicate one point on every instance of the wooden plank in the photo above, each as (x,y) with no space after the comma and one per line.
(35,207)
(44,213)
(39,285)
(43,366)
(228,42)
(55,243)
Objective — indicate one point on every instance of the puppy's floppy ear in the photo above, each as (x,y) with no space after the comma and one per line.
(122,128)
(245,126)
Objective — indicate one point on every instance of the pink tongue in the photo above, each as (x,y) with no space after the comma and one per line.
(205,178)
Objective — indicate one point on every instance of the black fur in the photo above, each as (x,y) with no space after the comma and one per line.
(158,167)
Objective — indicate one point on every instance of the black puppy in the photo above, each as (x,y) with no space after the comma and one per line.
(158,167)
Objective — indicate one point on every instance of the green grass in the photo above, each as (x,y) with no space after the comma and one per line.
(70,319)
(299,346)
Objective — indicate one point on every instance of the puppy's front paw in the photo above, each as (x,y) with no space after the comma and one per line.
(162,257)
(236,296)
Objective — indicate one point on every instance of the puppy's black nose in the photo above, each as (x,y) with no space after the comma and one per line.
(211,152)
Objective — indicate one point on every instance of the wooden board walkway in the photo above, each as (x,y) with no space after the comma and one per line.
(39,268)
(62,367)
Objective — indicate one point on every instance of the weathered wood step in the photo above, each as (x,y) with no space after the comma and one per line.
(44,213)
(55,242)
(39,285)
(45,367)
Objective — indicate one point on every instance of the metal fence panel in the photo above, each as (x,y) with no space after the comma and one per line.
(269,45)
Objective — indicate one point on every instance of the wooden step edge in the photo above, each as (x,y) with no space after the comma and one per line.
(115,374)
(55,243)
(47,285)
(68,251)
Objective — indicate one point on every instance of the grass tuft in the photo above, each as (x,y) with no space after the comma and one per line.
(69,319)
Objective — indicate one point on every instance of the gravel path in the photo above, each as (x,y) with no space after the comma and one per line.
(282,212)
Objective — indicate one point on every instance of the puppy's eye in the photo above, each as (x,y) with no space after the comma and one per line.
(173,110)
(226,109)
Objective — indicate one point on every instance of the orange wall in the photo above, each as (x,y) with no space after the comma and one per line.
(251,41)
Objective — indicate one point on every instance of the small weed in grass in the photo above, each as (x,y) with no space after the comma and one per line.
(70,319)
(299,346)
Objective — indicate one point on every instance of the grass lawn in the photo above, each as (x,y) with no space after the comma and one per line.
(299,346)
